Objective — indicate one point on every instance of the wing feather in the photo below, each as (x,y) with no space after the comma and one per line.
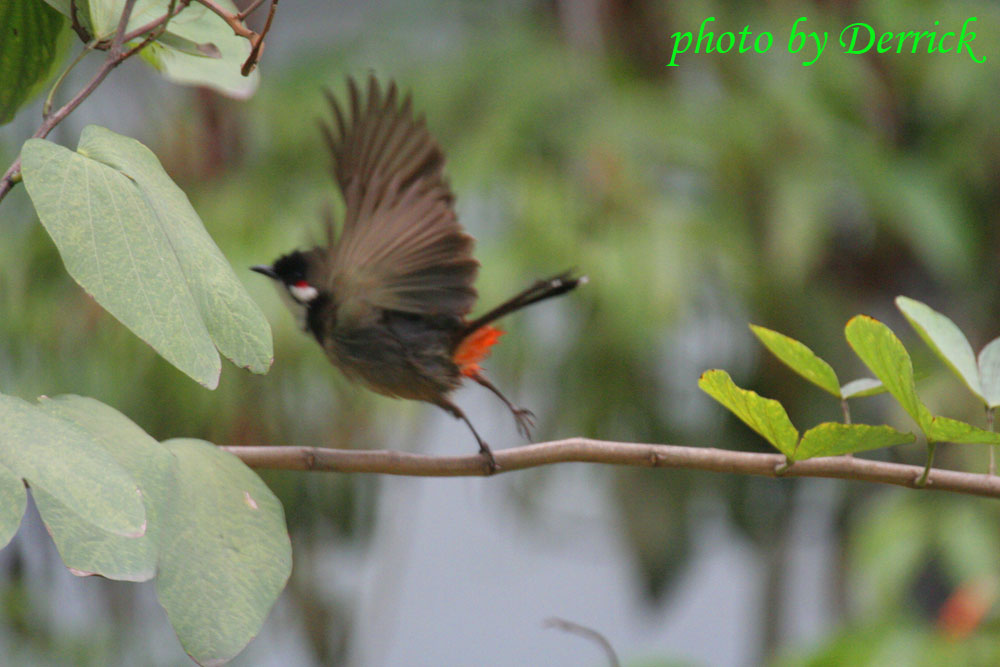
(401,246)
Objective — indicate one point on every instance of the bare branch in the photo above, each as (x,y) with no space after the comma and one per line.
(585,450)
(233,20)
(250,9)
(586,633)
(258,42)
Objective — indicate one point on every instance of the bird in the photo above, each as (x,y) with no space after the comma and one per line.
(388,297)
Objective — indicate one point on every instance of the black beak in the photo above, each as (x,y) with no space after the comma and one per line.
(266,270)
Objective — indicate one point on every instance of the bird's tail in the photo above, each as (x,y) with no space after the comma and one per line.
(541,290)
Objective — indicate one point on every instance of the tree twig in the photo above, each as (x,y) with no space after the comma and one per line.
(586,633)
(257,42)
(585,450)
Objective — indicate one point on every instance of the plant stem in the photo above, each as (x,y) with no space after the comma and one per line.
(989,427)
(846,409)
(47,107)
(931,446)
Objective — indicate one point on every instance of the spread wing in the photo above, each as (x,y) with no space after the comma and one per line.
(401,247)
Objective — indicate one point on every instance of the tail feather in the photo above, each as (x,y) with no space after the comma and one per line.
(541,290)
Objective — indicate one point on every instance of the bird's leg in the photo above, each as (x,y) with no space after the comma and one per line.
(484,449)
(525,418)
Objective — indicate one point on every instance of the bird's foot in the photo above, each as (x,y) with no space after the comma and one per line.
(525,421)
(491,462)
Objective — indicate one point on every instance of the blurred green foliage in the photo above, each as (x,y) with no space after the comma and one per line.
(733,188)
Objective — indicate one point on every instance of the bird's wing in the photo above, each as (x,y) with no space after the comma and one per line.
(401,247)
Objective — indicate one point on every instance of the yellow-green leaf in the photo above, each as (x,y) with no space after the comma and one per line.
(832,439)
(799,358)
(885,355)
(764,415)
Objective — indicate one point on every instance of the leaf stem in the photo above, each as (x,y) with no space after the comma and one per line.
(47,107)
(847,417)
(922,480)
(993,448)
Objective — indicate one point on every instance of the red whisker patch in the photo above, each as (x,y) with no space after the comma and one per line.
(474,348)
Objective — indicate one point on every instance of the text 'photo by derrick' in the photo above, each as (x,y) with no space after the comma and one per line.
(854,39)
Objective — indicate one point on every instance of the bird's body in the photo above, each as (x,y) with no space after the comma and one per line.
(388,297)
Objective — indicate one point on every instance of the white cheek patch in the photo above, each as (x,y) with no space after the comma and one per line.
(303,294)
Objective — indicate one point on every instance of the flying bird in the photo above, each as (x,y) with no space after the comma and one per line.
(389,296)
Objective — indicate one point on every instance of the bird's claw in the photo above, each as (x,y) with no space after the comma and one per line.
(525,422)
(491,462)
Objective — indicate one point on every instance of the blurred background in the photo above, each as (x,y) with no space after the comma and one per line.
(733,189)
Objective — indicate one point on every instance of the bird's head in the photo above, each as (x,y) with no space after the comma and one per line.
(297,275)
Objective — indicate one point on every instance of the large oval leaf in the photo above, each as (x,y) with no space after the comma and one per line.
(129,236)
(84,548)
(64,460)
(225,552)
(13,500)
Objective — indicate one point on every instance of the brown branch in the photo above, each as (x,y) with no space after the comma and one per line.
(585,450)
(233,20)
(258,41)
(586,633)
(115,57)
(250,9)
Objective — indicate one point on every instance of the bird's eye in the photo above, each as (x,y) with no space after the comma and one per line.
(301,283)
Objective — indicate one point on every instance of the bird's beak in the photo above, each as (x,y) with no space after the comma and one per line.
(266,270)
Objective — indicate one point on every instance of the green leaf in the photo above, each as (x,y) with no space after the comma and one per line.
(219,70)
(13,500)
(84,548)
(945,339)
(198,47)
(64,461)
(989,372)
(831,439)
(799,358)
(206,50)
(945,429)
(225,553)
(862,387)
(237,325)
(30,47)
(129,237)
(885,355)
(764,415)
